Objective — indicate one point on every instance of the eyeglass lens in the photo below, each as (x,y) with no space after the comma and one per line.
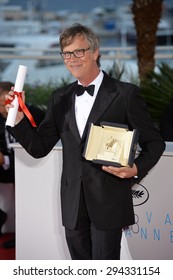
(77,53)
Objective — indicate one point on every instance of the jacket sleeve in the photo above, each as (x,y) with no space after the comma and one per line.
(38,142)
(151,143)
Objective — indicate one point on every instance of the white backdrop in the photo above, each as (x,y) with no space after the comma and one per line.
(40,235)
(152,235)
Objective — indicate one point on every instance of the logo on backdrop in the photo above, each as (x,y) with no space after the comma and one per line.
(140,195)
(153,223)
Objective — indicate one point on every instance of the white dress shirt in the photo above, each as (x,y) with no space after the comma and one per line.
(84,103)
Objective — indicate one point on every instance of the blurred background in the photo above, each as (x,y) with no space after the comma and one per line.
(29,35)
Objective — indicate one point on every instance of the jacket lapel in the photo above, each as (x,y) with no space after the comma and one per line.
(70,116)
(106,94)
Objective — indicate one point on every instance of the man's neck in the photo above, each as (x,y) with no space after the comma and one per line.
(86,82)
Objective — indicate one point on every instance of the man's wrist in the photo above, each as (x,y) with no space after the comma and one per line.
(19,117)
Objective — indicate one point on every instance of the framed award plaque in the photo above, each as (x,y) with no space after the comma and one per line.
(111,144)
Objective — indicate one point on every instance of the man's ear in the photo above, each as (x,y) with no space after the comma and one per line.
(96,54)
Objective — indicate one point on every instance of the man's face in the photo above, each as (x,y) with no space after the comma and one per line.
(81,68)
(3,111)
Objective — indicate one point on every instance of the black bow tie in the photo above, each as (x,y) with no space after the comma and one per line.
(80,90)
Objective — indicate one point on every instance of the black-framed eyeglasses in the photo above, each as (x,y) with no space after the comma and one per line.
(77,53)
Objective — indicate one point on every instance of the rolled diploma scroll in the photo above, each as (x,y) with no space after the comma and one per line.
(18,87)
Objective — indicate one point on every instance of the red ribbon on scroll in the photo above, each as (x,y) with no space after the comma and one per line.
(22,107)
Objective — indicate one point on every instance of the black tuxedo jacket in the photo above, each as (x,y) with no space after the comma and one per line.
(108,198)
(6,176)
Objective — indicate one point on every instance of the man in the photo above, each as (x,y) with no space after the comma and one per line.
(96,200)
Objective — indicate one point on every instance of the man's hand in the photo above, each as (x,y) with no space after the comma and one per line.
(9,97)
(122,172)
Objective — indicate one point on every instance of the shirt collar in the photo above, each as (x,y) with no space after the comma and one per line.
(97,82)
